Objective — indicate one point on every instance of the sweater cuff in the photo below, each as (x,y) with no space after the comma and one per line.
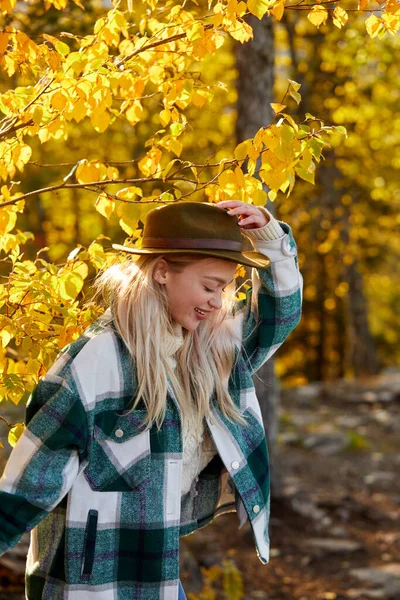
(271,231)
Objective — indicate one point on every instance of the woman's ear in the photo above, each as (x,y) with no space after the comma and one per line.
(160,271)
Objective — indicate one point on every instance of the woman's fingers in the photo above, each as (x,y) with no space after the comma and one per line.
(248,220)
(235,207)
(248,215)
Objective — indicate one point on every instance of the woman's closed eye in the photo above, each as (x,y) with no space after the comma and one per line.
(212,291)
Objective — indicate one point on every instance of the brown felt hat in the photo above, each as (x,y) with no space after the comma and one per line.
(195,228)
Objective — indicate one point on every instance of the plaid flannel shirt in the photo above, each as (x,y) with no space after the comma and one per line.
(100,495)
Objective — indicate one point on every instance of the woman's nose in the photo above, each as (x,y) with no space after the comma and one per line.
(216,302)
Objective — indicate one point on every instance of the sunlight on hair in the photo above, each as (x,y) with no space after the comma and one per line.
(139,305)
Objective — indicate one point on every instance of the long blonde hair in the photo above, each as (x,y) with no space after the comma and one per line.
(203,362)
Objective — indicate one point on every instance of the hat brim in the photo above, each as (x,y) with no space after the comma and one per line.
(249,259)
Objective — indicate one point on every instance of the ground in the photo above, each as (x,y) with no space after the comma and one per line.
(335,531)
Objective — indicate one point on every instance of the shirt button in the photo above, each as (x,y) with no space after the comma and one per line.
(286,247)
(119,433)
(235,464)
(256,508)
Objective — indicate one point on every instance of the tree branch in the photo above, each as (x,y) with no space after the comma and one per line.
(9,425)
(98,185)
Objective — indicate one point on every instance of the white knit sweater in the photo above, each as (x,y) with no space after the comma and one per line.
(198,446)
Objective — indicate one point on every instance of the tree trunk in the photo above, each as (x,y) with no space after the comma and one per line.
(355,343)
(360,350)
(255,64)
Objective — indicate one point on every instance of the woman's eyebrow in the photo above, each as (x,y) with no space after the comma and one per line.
(218,279)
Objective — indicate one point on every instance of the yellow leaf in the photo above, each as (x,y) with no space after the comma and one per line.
(242,150)
(278,10)
(70,284)
(259,197)
(293,123)
(317,16)
(87,173)
(130,215)
(156,74)
(112,173)
(97,255)
(80,268)
(59,100)
(134,112)
(6,6)
(149,164)
(294,86)
(37,115)
(15,433)
(21,155)
(8,218)
(33,367)
(258,7)
(43,135)
(273,178)
(392,7)
(228,182)
(9,65)
(373,25)
(174,145)
(5,192)
(6,336)
(277,108)
(78,112)
(4,36)
(129,193)
(104,205)
(362,4)
(239,177)
(195,31)
(100,120)
(241,31)
(391,22)
(165,117)
(61,47)
(340,17)
(200,97)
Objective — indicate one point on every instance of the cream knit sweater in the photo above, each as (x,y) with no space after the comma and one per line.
(198,446)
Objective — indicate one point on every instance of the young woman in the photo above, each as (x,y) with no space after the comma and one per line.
(147,426)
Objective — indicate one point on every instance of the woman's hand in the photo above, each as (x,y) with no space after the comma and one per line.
(249,216)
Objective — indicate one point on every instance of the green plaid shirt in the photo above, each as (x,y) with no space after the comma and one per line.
(102,496)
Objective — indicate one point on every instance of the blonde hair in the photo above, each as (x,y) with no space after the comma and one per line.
(141,317)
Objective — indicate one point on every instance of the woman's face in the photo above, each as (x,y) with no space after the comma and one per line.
(196,290)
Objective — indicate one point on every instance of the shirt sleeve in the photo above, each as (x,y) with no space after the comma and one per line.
(45,460)
(272,308)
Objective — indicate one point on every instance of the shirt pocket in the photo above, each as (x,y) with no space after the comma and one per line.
(120,456)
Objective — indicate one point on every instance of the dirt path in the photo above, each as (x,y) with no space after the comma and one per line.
(335,534)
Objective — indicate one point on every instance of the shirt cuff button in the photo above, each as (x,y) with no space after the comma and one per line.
(256,508)
(119,433)
(235,464)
